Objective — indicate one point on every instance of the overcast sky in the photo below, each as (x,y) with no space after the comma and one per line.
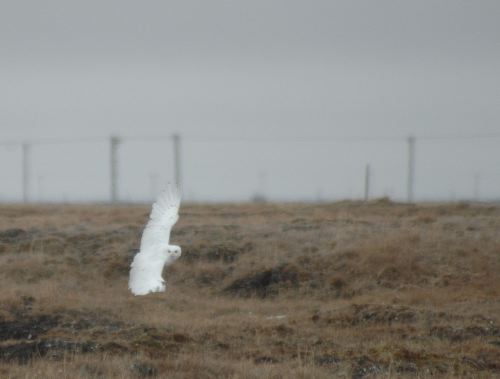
(290,98)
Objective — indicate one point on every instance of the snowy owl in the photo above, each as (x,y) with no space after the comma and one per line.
(155,251)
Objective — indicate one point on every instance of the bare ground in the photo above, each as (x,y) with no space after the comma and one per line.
(346,290)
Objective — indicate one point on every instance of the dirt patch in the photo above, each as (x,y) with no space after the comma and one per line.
(16,239)
(211,275)
(409,361)
(300,225)
(27,328)
(458,334)
(102,333)
(327,360)
(485,361)
(20,324)
(97,321)
(25,351)
(364,367)
(265,359)
(367,314)
(72,240)
(154,342)
(144,370)
(226,253)
(265,283)
(14,234)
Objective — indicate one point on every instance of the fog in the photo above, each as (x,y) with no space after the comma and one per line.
(286,99)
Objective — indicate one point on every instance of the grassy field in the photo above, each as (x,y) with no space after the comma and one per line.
(348,290)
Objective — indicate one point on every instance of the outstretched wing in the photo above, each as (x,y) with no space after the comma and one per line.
(164,215)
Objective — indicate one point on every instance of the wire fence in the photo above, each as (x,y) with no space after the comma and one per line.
(225,168)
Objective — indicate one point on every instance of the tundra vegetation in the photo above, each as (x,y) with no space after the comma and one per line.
(346,289)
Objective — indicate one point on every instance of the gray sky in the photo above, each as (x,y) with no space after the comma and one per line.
(226,74)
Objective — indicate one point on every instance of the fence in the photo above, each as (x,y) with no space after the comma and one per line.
(110,159)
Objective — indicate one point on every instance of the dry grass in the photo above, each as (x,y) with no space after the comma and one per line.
(262,291)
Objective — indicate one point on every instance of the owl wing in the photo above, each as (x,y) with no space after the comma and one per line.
(164,215)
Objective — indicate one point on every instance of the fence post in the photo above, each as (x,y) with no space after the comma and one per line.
(477,186)
(26,147)
(367,182)
(411,168)
(176,138)
(114,143)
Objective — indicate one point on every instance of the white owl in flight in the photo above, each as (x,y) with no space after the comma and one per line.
(155,251)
